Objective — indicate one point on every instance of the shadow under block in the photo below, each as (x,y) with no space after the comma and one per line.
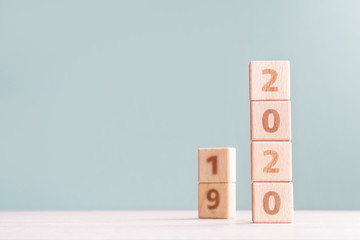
(272,202)
(270,121)
(271,161)
(269,80)
(217,200)
(217,165)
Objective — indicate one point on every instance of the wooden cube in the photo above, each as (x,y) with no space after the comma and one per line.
(272,202)
(270,120)
(269,80)
(271,161)
(217,165)
(217,200)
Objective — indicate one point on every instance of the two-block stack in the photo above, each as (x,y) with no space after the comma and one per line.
(217,182)
(271,161)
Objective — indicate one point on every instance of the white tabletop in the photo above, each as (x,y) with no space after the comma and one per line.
(173,225)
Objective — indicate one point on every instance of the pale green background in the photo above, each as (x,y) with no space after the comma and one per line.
(103,104)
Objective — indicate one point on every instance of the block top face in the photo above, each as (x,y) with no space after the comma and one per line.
(269,80)
(217,165)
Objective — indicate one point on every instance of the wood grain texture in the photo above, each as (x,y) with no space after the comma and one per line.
(217,165)
(217,200)
(272,202)
(271,161)
(159,225)
(269,80)
(267,126)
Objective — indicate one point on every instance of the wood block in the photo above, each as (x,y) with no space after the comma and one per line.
(270,120)
(271,161)
(269,80)
(272,202)
(217,200)
(217,165)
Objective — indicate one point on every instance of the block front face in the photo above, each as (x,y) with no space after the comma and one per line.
(217,200)
(217,165)
(271,161)
(269,80)
(272,202)
(270,120)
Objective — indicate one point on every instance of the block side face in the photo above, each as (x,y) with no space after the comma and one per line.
(269,80)
(271,121)
(216,200)
(273,202)
(232,165)
(214,165)
(232,200)
(251,122)
(271,161)
(290,164)
(252,162)
(291,203)
(252,203)
(289,110)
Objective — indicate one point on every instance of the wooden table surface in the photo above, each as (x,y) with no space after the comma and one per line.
(172,225)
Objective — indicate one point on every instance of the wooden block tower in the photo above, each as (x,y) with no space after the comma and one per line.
(271,163)
(217,182)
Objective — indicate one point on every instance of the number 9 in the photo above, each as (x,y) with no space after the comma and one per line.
(215,199)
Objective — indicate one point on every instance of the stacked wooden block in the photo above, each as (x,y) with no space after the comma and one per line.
(217,182)
(271,163)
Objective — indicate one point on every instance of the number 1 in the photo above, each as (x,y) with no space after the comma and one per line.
(213,160)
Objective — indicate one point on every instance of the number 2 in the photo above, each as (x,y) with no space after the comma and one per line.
(213,160)
(269,168)
(267,87)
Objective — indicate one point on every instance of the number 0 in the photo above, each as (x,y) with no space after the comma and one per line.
(265,120)
(266,201)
